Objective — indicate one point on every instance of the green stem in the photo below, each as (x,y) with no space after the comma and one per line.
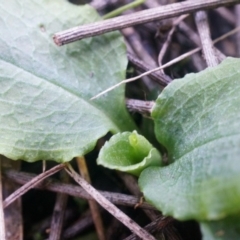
(124,8)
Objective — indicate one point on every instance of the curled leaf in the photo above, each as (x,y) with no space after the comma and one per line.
(129,152)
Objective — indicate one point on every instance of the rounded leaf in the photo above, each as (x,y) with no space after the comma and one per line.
(197,119)
(45,107)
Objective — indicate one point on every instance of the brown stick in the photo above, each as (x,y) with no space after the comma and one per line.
(227,14)
(177,59)
(97,219)
(13,213)
(143,107)
(132,185)
(76,191)
(158,224)
(158,77)
(31,184)
(159,13)
(111,208)
(169,38)
(59,212)
(84,221)
(237,16)
(204,33)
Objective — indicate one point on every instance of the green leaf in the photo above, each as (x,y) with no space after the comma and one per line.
(197,119)
(129,152)
(45,111)
(227,229)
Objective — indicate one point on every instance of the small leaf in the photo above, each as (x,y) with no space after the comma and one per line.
(129,152)
(197,119)
(45,107)
(227,229)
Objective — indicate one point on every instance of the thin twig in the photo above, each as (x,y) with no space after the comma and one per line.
(133,38)
(237,16)
(190,33)
(149,15)
(42,226)
(219,55)
(78,226)
(157,225)
(143,107)
(158,77)
(197,59)
(227,14)
(132,185)
(135,45)
(82,167)
(170,63)
(199,64)
(204,33)
(13,213)
(72,190)
(59,212)
(169,38)
(31,184)
(122,217)
(2,222)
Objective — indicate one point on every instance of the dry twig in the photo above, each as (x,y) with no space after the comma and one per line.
(31,184)
(237,13)
(59,212)
(158,224)
(82,167)
(122,217)
(149,15)
(168,40)
(158,77)
(143,107)
(132,185)
(13,213)
(78,226)
(72,190)
(207,44)
(170,63)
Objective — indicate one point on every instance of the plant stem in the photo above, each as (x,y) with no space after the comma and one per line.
(124,8)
